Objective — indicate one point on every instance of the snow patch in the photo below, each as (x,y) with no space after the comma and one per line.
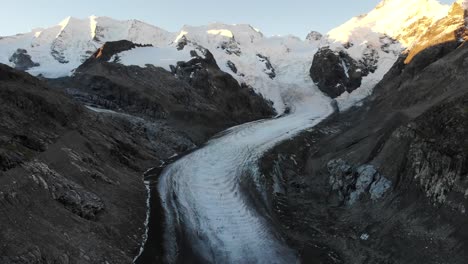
(347,100)
(93,26)
(160,57)
(148,214)
(345,68)
(180,36)
(221,32)
(100,110)
(365,237)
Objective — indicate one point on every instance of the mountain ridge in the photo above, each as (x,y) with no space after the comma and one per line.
(267,64)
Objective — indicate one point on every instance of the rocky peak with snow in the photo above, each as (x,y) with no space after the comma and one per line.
(375,40)
(451,28)
(403,20)
(268,64)
(60,49)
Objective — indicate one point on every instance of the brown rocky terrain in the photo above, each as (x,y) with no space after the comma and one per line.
(386,182)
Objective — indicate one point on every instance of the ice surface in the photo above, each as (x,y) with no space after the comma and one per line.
(202,192)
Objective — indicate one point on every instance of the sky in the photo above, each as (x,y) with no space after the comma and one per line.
(272,17)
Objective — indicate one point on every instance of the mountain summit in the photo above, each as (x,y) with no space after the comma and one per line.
(403,20)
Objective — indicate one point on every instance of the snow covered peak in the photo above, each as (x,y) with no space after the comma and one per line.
(270,65)
(402,20)
(219,32)
(65,22)
(273,66)
(60,49)
(376,39)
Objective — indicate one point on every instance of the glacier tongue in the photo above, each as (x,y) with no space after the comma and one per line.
(204,201)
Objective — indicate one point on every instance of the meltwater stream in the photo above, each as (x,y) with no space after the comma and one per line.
(203,201)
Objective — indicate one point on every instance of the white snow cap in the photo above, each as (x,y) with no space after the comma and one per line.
(390,17)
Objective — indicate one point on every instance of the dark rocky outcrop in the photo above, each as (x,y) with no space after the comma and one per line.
(336,72)
(350,183)
(269,70)
(411,132)
(109,49)
(183,41)
(22,60)
(232,66)
(231,47)
(314,36)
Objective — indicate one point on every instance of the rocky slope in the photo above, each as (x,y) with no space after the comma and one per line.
(71,180)
(72,176)
(386,182)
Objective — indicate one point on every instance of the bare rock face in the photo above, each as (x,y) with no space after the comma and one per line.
(269,70)
(350,183)
(73,196)
(336,72)
(108,50)
(22,60)
(232,66)
(314,36)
